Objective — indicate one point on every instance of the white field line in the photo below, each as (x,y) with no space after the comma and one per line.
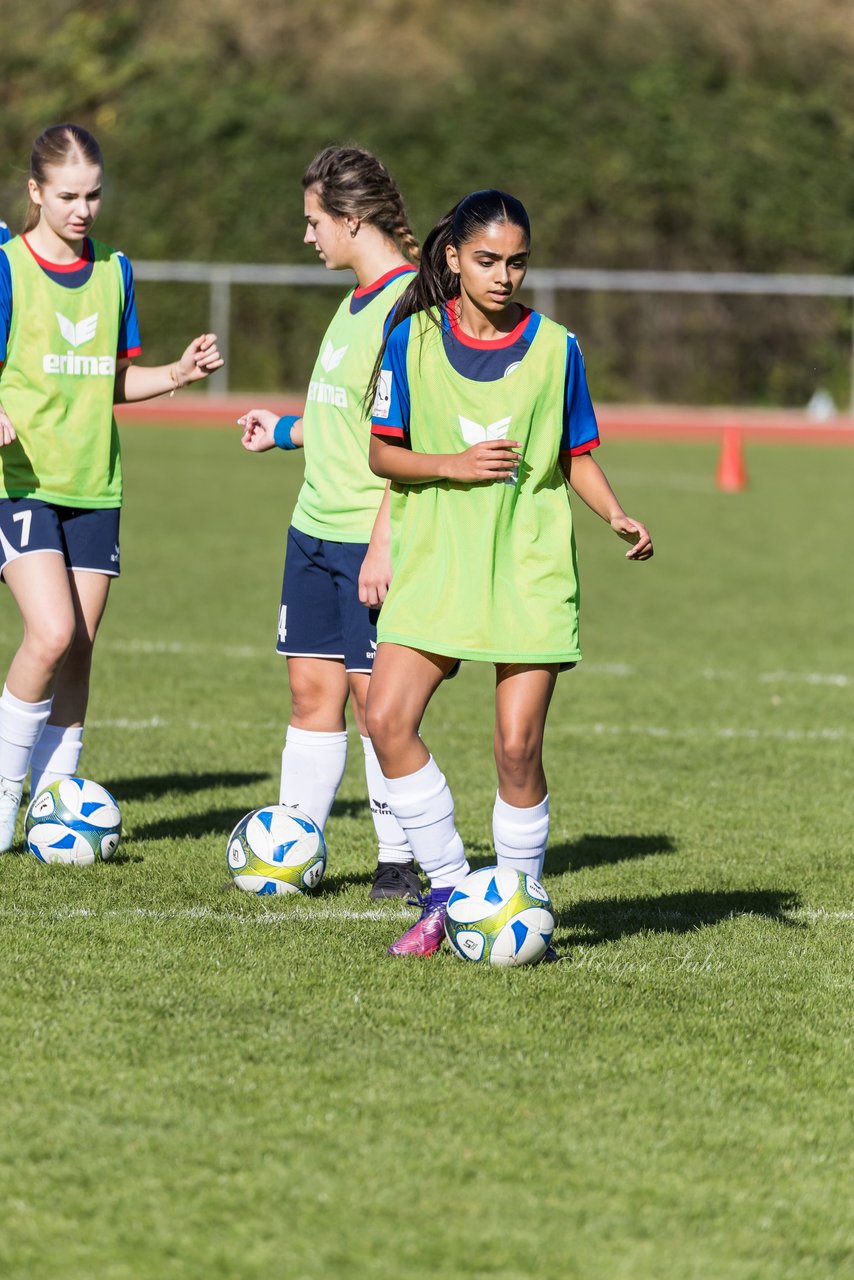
(250,653)
(618,669)
(207,914)
(296,914)
(724,733)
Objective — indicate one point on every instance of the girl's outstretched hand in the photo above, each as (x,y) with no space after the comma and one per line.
(7,431)
(200,359)
(633,531)
(258,428)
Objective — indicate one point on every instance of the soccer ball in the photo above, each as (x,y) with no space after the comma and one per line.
(499,916)
(73,820)
(276,850)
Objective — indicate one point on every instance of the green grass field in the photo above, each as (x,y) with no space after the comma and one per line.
(199,1083)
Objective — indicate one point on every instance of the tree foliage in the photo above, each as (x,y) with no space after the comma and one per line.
(640,133)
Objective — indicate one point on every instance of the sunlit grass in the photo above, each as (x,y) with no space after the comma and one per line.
(204,1084)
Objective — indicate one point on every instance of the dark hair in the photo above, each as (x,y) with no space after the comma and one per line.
(353,183)
(59,143)
(434,281)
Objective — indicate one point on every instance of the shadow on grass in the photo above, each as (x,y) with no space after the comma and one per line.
(605,920)
(349,808)
(192,825)
(599,851)
(332,885)
(588,851)
(153,785)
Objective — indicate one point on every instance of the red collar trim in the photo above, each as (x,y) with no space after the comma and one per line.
(62,266)
(485,344)
(383,280)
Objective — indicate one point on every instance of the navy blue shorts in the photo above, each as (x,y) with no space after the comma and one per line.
(321,615)
(87,539)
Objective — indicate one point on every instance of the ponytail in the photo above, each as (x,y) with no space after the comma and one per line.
(435,282)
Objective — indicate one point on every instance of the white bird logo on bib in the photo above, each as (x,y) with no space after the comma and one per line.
(331,358)
(77,334)
(474,433)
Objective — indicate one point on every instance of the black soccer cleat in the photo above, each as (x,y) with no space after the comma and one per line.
(395,880)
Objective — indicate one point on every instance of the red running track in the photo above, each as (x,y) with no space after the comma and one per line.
(663,422)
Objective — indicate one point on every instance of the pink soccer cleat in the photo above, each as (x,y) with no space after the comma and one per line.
(426,936)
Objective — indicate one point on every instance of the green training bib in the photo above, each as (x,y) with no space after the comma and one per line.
(486,571)
(340,494)
(58,383)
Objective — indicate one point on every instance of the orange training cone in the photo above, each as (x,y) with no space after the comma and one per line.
(732,473)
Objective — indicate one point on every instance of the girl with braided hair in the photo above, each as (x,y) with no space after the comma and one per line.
(337,563)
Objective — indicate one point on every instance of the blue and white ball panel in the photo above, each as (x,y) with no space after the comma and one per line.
(483,893)
(276,849)
(73,821)
(523,940)
(500,917)
(536,890)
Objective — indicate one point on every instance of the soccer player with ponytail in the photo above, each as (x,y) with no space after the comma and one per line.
(337,565)
(68,334)
(481,414)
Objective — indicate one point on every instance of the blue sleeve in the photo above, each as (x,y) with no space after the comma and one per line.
(390,414)
(5,304)
(130,343)
(5,233)
(580,429)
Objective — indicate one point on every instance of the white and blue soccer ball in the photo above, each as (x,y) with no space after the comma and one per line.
(501,917)
(277,849)
(73,820)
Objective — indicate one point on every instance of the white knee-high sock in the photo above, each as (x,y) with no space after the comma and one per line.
(391,838)
(21,726)
(424,807)
(521,836)
(312,769)
(56,755)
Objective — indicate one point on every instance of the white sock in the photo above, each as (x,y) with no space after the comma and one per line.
(391,838)
(56,755)
(21,726)
(424,807)
(312,769)
(521,835)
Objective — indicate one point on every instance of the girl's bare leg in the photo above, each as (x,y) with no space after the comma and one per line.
(39,585)
(394,876)
(522,697)
(315,752)
(520,818)
(57,752)
(403,682)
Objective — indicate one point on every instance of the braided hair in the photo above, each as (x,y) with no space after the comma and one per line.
(352,183)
